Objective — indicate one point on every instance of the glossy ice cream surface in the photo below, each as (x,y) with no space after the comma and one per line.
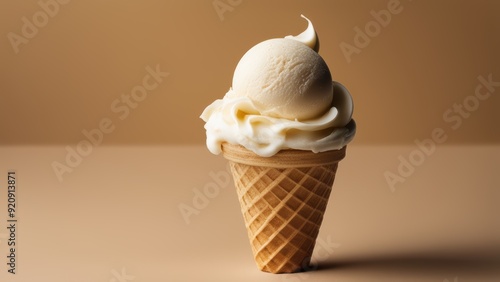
(282,97)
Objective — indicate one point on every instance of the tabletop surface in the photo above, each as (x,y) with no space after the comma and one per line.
(396,213)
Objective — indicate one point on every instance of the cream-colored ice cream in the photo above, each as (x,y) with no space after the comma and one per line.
(282,97)
(285,78)
(295,84)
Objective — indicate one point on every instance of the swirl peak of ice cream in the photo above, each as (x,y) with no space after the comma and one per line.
(282,97)
(308,36)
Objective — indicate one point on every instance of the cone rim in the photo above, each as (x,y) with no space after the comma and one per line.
(287,158)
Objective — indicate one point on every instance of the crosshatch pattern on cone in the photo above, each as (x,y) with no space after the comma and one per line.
(283,206)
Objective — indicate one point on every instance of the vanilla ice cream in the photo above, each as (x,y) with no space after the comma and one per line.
(282,97)
(295,84)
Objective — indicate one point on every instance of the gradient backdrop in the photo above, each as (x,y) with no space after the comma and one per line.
(134,76)
(64,67)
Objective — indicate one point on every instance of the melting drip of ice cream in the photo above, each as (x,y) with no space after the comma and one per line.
(282,97)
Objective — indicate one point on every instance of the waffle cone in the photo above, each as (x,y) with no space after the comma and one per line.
(283,199)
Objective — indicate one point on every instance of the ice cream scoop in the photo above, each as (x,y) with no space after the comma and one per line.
(285,79)
(282,97)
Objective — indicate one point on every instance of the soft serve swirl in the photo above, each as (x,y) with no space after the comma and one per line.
(282,97)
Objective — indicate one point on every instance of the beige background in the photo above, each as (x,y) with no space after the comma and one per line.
(116,210)
(65,78)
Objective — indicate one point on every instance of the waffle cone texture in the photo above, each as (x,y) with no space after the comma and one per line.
(283,199)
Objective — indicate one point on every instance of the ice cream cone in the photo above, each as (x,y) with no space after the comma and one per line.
(283,199)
